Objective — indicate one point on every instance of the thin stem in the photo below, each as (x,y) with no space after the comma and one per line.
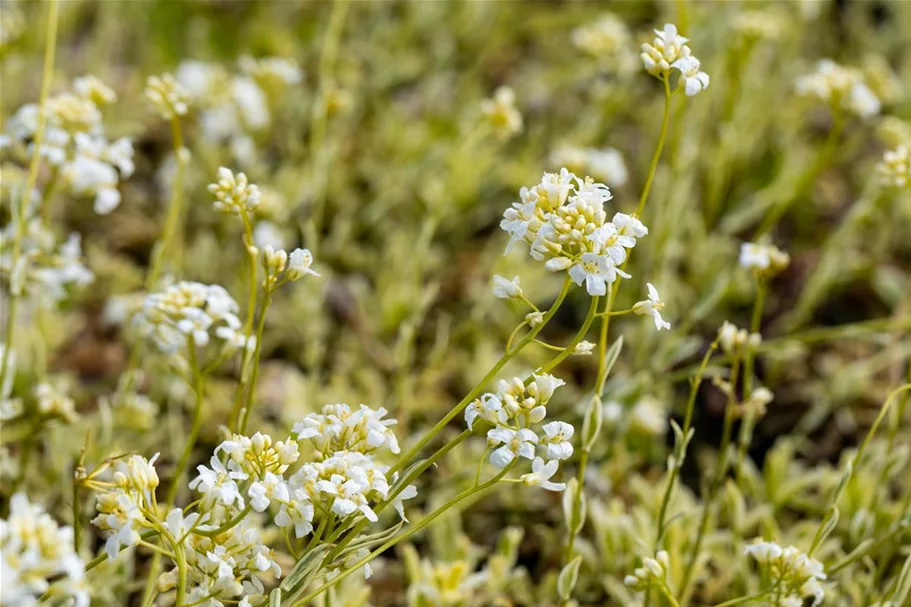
(678,457)
(806,180)
(716,480)
(251,389)
(226,526)
(198,389)
(746,429)
(50,44)
(507,356)
(403,536)
(653,167)
(246,355)
(320,114)
(175,206)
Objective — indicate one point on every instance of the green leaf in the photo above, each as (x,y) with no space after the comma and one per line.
(568,577)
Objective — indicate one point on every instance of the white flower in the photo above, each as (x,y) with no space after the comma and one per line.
(218,484)
(557,435)
(691,77)
(299,263)
(519,443)
(166,96)
(502,113)
(506,289)
(583,348)
(540,475)
(37,557)
(489,408)
(596,271)
(234,193)
(261,493)
(651,307)
(409,492)
(297,512)
(653,570)
(841,86)
(534,319)
(180,525)
(667,47)
(763,257)
(895,167)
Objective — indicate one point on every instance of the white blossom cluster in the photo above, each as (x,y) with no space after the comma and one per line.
(763,258)
(669,51)
(502,114)
(75,144)
(234,194)
(605,164)
(343,482)
(895,167)
(839,86)
(37,558)
(126,499)
(516,412)
(564,222)
(733,339)
(166,97)
(797,574)
(653,572)
(608,41)
(232,108)
(44,268)
(223,567)
(190,310)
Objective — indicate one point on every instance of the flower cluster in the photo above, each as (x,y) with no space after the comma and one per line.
(126,500)
(75,144)
(234,194)
(605,164)
(764,259)
(45,268)
(281,266)
(516,411)
(653,572)
(37,557)
(608,41)
(733,339)
(895,167)
(502,114)
(338,428)
(166,96)
(669,51)
(564,222)
(190,310)
(232,107)
(226,565)
(840,87)
(797,574)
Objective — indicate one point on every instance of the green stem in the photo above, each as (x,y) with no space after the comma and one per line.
(175,207)
(806,180)
(251,389)
(26,195)
(653,167)
(678,457)
(246,355)
(507,356)
(198,389)
(746,428)
(717,479)
(403,536)
(226,526)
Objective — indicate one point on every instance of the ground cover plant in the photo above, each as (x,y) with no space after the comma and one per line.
(441,304)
